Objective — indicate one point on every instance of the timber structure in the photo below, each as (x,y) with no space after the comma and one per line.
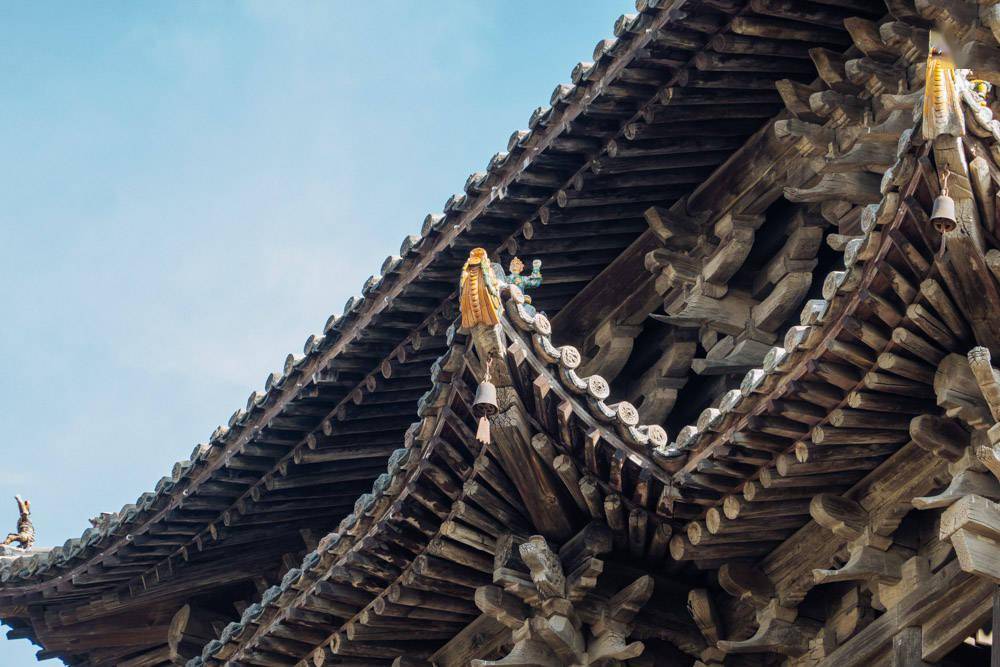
(743,413)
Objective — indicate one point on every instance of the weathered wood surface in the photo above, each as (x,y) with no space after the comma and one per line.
(948,606)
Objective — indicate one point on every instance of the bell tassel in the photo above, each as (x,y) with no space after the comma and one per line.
(483,432)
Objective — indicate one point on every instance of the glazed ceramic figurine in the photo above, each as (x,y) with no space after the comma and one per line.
(524,283)
(534,279)
(479,291)
(982,90)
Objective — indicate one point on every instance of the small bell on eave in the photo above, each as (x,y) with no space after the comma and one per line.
(485,406)
(943,213)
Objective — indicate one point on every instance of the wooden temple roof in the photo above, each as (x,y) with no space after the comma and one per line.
(535,199)
(646,188)
(608,466)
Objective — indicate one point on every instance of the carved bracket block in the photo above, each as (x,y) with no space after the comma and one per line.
(543,596)
(973,526)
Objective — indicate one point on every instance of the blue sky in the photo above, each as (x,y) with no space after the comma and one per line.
(190,189)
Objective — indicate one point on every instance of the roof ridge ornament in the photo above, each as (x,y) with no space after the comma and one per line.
(530,281)
(942,104)
(25,534)
(479,291)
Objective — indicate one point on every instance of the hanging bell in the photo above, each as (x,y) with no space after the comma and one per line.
(485,406)
(943,214)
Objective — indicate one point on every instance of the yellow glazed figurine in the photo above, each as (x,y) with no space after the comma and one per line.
(479,292)
(942,108)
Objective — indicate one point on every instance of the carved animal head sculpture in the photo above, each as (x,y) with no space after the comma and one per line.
(23,506)
(25,534)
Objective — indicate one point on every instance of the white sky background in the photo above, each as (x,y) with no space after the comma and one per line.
(189,190)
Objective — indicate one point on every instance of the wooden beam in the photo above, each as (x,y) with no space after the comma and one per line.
(601,299)
(995,648)
(948,606)
(906,648)
(478,639)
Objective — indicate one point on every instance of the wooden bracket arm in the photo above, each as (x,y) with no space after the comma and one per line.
(865,564)
(964,483)
(778,632)
(614,344)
